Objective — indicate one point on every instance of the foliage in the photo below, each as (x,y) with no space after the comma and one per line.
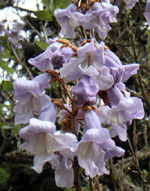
(4,174)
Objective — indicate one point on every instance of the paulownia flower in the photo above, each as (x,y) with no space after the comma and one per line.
(30,97)
(43,140)
(96,146)
(85,90)
(100,64)
(52,58)
(120,73)
(98,17)
(67,20)
(90,62)
(121,115)
(49,113)
(147,11)
(116,93)
(3,31)
(14,35)
(64,175)
(1,49)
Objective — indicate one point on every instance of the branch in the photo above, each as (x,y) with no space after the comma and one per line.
(21,63)
(19,158)
(10,4)
(128,162)
(22,9)
(134,93)
(34,29)
(6,4)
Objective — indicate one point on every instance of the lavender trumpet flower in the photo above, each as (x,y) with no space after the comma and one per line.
(147,11)
(30,97)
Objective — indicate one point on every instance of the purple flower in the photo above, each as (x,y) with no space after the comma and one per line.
(106,13)
(52,58)
(2,28)
(129,70)
(112,11)
(90,153)
(120,73)
(14,37)
(121,115)
(67,20)
(1,49)
(90,62)
(49,113)
(147,11)
(91,121)
(85,90)
(62,166)
(96,146)
(30,97)
(98,17)
(124,72)
(43,140)
(73,70)
(99,63)
(116,152)
(37,135)
(116,93)
(94,55)
(18,26)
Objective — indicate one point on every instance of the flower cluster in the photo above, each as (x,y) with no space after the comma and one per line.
(13,33)
(95,15)
(98,106)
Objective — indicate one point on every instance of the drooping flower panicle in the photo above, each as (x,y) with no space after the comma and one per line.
(96,106)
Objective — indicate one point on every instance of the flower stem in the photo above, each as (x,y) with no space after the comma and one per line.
(77,179)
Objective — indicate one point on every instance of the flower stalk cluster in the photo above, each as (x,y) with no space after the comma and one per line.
(77,131)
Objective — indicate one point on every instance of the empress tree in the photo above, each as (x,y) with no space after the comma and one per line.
(84,89)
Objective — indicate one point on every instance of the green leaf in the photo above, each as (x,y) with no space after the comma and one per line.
(4,174)
(7,85)
(4,41)
(53,4)
(44,15)
(6,127)
(4,66)
(1,124)
(109,128)
(41,44)
(46,2)
(55,85)
(7,54)
(85,188)
(15,129)
(61,4)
